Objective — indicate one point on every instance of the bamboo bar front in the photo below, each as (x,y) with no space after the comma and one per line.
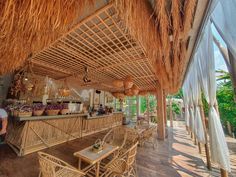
(31,134)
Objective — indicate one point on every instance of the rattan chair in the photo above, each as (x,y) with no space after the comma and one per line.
(124,165)
(142,123)
(51,166)
(116,136)
(132,138)
(148,137)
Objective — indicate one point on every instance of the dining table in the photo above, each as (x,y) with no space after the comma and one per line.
(140,129)
(93,157)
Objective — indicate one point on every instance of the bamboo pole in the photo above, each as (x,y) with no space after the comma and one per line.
(148,108)
(199,147)
(208,159)
(164,102)
(195,139)
(165,113)
(223,173)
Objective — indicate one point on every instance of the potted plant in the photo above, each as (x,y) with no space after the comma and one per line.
(52,109)
(64,109)
(38,109)
(25,111)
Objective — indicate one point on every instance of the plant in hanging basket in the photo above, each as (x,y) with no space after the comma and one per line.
(128,82)
(38,109)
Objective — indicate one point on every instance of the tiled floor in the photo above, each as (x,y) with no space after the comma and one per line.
(176,156)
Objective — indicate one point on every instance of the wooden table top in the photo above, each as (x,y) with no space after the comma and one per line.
(93,157)
(140,129)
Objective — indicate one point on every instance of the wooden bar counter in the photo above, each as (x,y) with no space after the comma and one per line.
(31,134)
(99,123)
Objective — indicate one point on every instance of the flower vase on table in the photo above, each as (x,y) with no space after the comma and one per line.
(98,146)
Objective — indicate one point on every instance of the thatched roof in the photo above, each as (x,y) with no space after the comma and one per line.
(28,26)
(149,40)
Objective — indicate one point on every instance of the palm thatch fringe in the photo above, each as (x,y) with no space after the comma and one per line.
(163,24)
(189,9)
(28,26)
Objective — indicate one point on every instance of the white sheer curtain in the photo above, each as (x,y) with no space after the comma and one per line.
(206,68)
(224,18)
(192,95)
(188,96)
(196,93)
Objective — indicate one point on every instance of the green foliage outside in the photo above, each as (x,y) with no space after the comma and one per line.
(152,103)
(225,98)
(143,104)
(227,106)
(176,108)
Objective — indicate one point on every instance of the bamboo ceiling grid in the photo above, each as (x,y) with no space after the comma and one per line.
(103,44)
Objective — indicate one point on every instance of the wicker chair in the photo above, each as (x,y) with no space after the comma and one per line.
(143,123)
(131,139)
(116,136)
(51,166)
(124,165)
(147,137)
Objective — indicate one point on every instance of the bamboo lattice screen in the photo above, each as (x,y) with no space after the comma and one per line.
(103,44)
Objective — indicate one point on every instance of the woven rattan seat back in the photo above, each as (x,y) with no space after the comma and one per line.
(131,156)
(51,166)
(148,133)
(123,164)
(116,136)
(132,138)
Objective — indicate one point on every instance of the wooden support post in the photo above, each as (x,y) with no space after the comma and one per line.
(137,106)
(195,139)
(165,113)
(171,113)
(206,138)
(160,114)
(199,147)
(223,173)
(165,110)
(148,108)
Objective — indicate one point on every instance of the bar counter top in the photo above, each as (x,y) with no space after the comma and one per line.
(104,115)
(32,118)
(45,117)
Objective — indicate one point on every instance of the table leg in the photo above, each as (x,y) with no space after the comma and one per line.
(97,169)
(79,164)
